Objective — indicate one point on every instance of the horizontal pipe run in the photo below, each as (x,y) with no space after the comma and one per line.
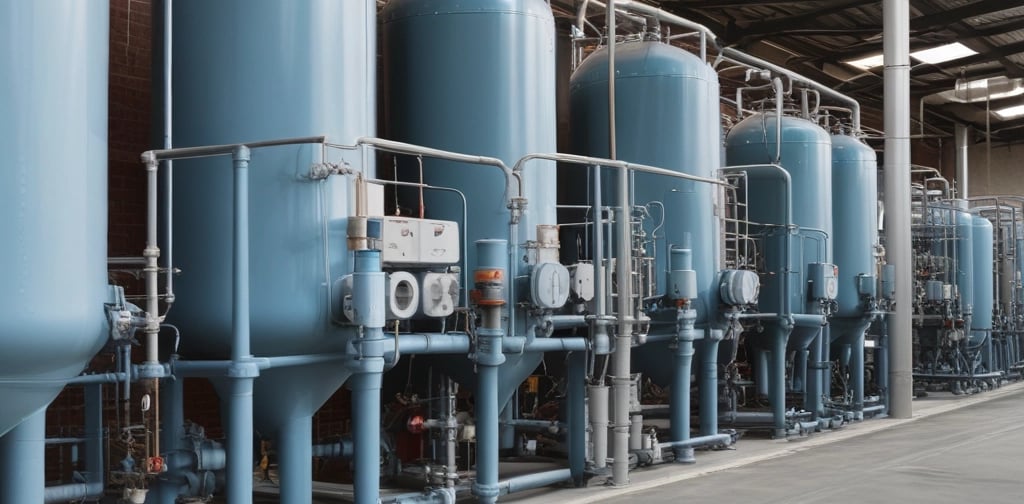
(73,492)
(981,376)
(793,76)
(451,343)
(542,345)
(551,426)
(611,163)
(65,440)
(532,481)
(567,321)
(416,150)
(225,149)
(696,442)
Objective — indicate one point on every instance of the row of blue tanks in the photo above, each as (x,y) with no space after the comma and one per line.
(473,78)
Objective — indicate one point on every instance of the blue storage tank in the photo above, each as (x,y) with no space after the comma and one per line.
(982,240)
(807,156)
(666,116)
(854,220)
(478,78)
(256,70)
(53,199)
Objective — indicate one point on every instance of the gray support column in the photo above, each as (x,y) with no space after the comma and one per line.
(896,41)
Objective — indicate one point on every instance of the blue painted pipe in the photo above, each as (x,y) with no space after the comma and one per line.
(73,492)
(368,286)
(813,376)
(777,376)
(22,461)
(450,343)
(709,383)
(857,374)
(295,455)
(576,415)
(243,371)
(535,480)
(679,404)
(170,485)
(489,358)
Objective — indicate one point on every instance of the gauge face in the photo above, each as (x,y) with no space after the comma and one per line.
(831,287)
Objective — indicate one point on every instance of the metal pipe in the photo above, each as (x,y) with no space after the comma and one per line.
(576,440)
(294,453)
(448,343)
(535,480)
(696,442)
(777,86)
(709,382)
(22,461)
(666,17)
(896,37)
(813,390)
(492,265)
(168,13)
(598,404)
(679,404)
(224,149)
(622,375)
(242,372)
(368,286)
(961,135)
(795,77)
(72,492)
(612,41)
(613,163)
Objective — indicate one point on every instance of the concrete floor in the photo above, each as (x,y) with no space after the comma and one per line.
(956,449)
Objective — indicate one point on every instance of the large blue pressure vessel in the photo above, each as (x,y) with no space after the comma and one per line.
(53,198)
(666,116)
(854,220)
(247,71)
(807,155)
(478,78)
(981,321)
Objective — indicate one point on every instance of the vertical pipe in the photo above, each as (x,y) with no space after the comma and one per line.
(366,404)
(813,378)
(490,274)
(507,439)
(679,404)
(709,383)
(777,378)
(368,286)
(576,415)
(295,459)
(240,430)
(896,42)
(22,464)
(961,133)
(857,375)
(636,432)
(166,489)
(168,93)
(598,400)
(94,433)
(599,287)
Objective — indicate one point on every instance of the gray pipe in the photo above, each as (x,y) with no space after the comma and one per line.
(896,41)
(709,382)
(961,135)
(598,399)
(168,13)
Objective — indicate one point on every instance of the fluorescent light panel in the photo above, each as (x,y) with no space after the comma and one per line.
(943,53)
(1011,112)
(867,63)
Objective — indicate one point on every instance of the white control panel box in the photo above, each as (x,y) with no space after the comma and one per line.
(407,241)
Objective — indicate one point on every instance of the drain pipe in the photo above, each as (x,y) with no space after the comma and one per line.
(22,461)
(896,37)
(168,92)
(368,293)
(243,369)
(682,288)
(576,416)
(709,382)
(490,283)
(621,380)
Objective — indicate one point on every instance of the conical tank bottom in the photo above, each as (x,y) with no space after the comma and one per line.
(511,374)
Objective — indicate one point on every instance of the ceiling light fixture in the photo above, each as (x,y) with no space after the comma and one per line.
(943,53)
(868,62)
(1011,112)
